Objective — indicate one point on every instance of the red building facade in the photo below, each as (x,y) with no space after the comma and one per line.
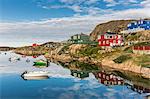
(141,49)
(110,39)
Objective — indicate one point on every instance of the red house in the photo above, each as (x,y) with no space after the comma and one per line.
(35,44)
(141,49)
(109,39)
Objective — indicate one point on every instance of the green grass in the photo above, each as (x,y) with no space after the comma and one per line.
(143,60)
(90,51)
(142,43)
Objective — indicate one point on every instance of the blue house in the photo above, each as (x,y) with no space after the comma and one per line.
(141,24)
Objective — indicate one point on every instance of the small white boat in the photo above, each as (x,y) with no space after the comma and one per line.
(35,75)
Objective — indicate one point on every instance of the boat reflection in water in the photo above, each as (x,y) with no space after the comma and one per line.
(35,75)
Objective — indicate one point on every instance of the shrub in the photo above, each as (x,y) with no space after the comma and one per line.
(128,50)
(122,58)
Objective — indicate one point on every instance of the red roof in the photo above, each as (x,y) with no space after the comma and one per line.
(34,44)
(141,47)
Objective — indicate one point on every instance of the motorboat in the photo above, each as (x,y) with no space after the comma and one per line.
(35,75)
(41,63)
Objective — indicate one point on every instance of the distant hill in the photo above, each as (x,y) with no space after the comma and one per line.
(113,26)
(3,48)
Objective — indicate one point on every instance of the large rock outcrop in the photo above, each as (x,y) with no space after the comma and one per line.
(113,26)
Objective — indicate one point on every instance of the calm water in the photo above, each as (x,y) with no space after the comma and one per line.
(67,81)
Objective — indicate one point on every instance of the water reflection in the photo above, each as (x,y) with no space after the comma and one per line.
(108,79)
(79,74)
(74,79)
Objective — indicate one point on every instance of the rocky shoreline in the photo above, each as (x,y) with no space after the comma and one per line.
(128,66)
(71,56)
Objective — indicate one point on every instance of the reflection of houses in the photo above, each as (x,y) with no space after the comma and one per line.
(79,74)
(108,79)
(141,49)
(139,89)
(109,39)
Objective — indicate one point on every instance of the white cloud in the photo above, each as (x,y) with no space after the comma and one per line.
(145,3)
(133,1)
(110,3)
(57,29)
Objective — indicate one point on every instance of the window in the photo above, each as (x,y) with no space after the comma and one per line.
(107,42)
(103,42)
(74,37)
(103,76)
(99,75)
(135,23)
(114,41)
(79,37)
(99,42)
(129,25)
(114,37)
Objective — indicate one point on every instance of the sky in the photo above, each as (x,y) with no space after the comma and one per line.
(23,22)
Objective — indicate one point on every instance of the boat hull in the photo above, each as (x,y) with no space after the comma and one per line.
(35,77)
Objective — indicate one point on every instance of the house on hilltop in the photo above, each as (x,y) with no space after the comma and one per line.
(109,39)
(137,26)
(142,24)
(141,49)
(81,39)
